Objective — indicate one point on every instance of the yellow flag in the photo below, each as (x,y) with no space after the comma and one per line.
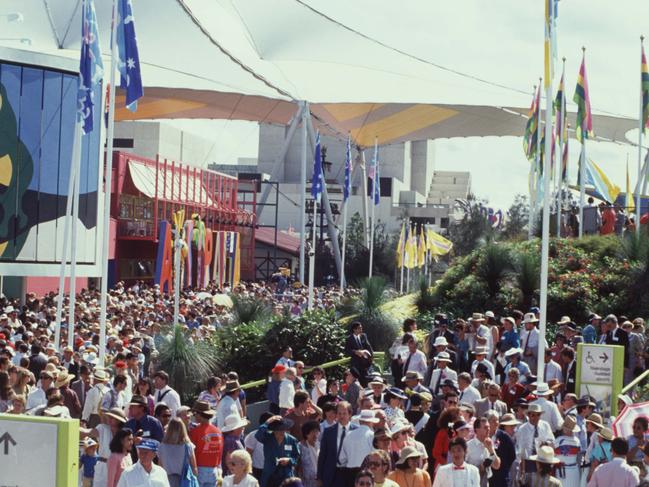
(411,250)
(441,245)
(630,204)
(421,249)
(400,246)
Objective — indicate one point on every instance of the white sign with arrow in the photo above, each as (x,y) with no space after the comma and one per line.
(27,453)
(597,364)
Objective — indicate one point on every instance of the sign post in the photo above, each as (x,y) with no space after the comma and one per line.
(600,373)
(52,444)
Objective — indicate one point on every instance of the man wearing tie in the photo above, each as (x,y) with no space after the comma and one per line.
(618,336)
(436,376)
(530,340)
(359,349)
(331,471)
(458,473)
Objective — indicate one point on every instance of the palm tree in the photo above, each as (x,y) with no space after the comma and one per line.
(494,265)
(188,362)
(528,276)
(380,327)
(426,298)
(248,310)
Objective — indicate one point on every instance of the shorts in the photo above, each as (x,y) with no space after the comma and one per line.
(207,476)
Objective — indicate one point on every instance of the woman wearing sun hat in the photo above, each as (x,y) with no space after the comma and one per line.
(281,451)
(545,460)
(567,447)
(407,473)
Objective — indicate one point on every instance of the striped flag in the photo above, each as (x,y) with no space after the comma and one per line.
(316,180)
(559,110)
(645,91)
(347,188)
(584,128)
(564,161)
(532,127)
(438,245)
(550,51)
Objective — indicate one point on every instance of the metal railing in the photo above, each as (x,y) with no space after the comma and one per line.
(379,357)
(635,382)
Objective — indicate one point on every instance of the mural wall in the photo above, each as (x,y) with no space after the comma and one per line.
(37,121)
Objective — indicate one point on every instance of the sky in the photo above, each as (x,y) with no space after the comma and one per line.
(499,41)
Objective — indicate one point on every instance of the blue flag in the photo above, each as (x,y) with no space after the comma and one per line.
(129,59)
(91,68)
(348,170)
(316,181)
(376,180)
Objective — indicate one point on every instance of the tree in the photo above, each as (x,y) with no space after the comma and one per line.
(518,217)
(468,233)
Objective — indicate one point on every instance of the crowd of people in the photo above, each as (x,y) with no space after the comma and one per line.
(602,219)
(460,407)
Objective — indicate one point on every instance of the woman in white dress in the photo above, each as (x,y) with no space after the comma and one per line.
(240,464)
(567,449)
(111,422)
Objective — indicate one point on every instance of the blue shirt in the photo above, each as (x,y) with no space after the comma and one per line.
(289,448)
(272,391)
(149,425)
(589,333)
(602,452)
(509,340)
(522,367)
(88,462)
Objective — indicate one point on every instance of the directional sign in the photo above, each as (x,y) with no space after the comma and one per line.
(600,370)
(49,444)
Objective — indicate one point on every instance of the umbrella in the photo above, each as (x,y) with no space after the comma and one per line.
(623,424)
(222,300)
(203,295)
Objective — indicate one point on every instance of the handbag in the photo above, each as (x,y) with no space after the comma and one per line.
(187,478)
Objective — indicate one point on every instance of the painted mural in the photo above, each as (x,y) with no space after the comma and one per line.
(37,118)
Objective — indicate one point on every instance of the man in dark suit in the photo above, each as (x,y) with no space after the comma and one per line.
(37,360)
(569,369)
(330,471)
(617,336)
(83,385)
(360,351)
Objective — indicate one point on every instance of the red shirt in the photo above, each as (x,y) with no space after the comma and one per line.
(208,441)
(608,221)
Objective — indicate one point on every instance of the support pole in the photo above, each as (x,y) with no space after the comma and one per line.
(177,252)
(545,229)
(403,252)
(366,221)
(66,234)
(638,200)
(344,249)
(312,254)
(303,191)
(558,164)
(372,202)
(582,186)
(107,191)
(73,247)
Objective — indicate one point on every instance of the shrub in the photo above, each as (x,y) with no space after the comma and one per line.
(248,309)
(189,363)
(493,266)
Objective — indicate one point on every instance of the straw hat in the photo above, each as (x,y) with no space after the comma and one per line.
(545,455)
(203,408)
(411,375)
(513,351)
(606,433)
(570,424)
(63,378)
(477,317)
(100,375)
(367,416)
(117,414)
(564,320)
(233,422)
(595,419)
(509,420)
(530,318)
(440,341)
(406,453)
(542,389)
(534,408)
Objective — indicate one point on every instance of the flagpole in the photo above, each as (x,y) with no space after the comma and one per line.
(108,183)
(342,274)
(66,235)
(347,190)
(312,254)
(638,210)
(403,254)
(366,224)
(177,253)
(558,165)
(73,246)
(372,221)
(545,229)
(303,193)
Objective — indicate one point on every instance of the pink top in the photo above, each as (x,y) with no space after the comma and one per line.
(117,462)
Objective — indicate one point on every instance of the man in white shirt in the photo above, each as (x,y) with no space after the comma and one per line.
(529,337)
(481,332)
(481,449)
(145,473)
(552,370)
(530,435)
(481,358)
(358,443)
(37,397)
(468,394)
(90,413)
(440,373)
(228,404)
(458,473)
(550,409)
(416,359)
(164,393)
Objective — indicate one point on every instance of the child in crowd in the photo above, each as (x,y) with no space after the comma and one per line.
(87,461)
